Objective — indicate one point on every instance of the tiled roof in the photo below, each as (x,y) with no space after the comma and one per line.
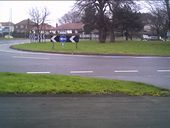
(70,26)
(24,22)
(46,26)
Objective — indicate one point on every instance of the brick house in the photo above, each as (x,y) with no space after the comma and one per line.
(70,28)
(24,26)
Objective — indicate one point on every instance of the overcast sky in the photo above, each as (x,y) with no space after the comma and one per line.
(20,9)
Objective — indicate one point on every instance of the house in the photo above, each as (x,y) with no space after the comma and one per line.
(46,28)
(24,26)
(6,27)
(28,25)
(70,28)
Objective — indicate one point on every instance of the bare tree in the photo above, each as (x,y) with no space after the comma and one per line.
(39,16)
(160,17)
(70,17)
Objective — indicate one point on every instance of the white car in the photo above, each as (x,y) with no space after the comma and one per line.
(9,37)
(147,37)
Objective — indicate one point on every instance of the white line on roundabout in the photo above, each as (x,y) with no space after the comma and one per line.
(74,72)
(163,70)
(26,57)
(126,71)
(38,72)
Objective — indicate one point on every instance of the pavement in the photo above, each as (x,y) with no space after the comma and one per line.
(84,112)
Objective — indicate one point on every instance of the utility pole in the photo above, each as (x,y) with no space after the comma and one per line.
(10,21)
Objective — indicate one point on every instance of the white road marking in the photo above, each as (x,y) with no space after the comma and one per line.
(26,57)
(163,70)
(145,57)
(149,57)
(124,71)
(38,72)
(74,72)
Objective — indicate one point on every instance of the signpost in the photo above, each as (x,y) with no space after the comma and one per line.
(62,39)
(65,38)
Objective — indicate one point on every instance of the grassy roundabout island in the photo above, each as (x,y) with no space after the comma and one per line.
(157,48)
(14,83)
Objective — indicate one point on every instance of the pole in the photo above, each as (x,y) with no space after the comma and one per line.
(76,45)
(10,20)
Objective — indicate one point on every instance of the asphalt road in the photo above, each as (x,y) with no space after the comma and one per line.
(84,112)
(151,70)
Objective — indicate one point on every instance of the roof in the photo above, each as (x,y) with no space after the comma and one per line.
(6,23)
(70,26)
(46,26)
(25,22)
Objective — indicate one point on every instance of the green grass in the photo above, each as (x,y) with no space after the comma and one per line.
(13,83)
(92,47)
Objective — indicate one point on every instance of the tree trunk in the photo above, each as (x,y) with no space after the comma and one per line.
(158,33)
(102,36)
(168,12)
(112,36)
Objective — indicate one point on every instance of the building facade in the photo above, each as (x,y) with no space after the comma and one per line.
(6,27)
(24,26)
(70,28)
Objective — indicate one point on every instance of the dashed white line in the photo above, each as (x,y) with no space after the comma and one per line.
(125,71)
(25,57)
(74,72)
(38,72)
(163,70)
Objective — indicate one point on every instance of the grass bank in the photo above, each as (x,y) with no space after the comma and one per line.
(13,83)
(91,47)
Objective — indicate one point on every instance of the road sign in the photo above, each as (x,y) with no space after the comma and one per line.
(65,38)
(35,37)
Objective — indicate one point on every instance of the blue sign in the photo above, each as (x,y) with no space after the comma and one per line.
(63,38)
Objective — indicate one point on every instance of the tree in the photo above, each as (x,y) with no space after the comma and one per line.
(159,22)
(100,7)
(89,19)
(114,6)
(160,17)
(167,4)
(39,17)
(129,21)
(70,17)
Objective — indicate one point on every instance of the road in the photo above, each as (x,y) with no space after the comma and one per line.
(84,112)
(151,70)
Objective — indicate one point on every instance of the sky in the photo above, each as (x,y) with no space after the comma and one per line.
(17,11)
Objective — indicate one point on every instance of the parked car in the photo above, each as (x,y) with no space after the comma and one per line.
(151,38)
(8,37)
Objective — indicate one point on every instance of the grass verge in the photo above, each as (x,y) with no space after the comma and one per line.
(91,47)
(14,83)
